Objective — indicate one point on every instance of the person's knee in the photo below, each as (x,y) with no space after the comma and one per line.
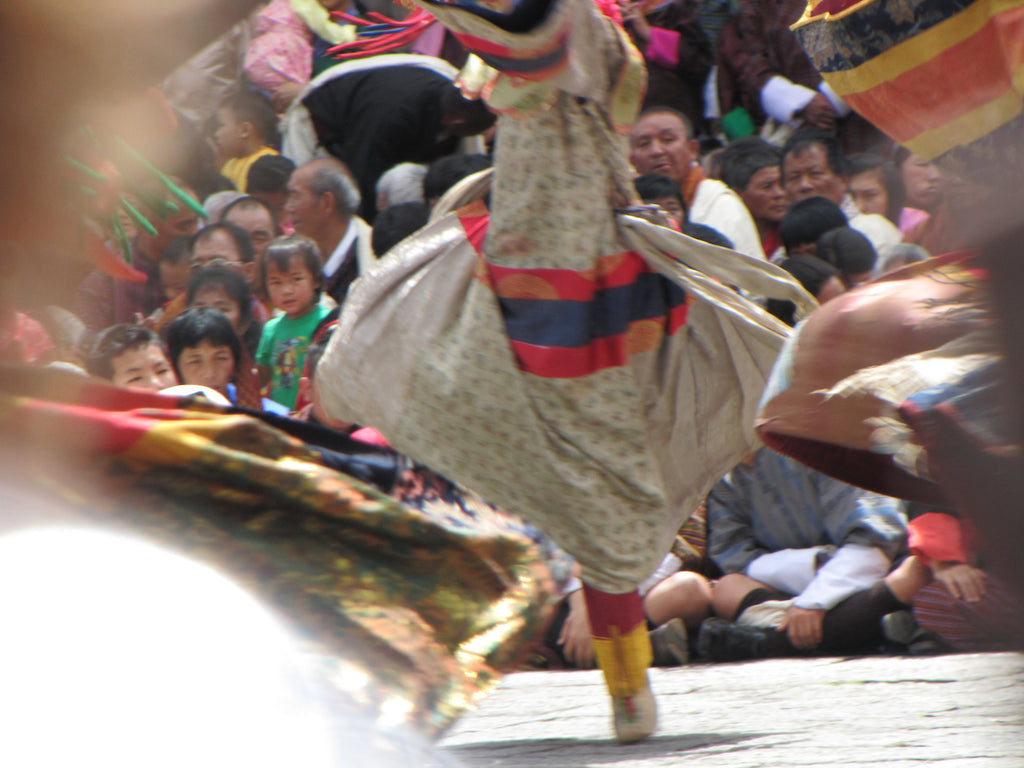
(728,594)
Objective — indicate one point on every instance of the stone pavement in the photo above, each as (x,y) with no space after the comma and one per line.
(957,711)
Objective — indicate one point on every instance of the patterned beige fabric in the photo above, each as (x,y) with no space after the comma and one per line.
(608,464)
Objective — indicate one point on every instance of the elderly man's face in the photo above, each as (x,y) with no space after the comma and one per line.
(659,144)
(303,206)
(806,173)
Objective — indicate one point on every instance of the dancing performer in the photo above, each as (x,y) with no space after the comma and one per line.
(615,383)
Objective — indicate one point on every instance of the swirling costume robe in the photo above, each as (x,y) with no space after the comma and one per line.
(550,354)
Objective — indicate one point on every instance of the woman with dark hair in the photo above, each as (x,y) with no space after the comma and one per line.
(224,288)
(876,186)
(205,349)
(921,179)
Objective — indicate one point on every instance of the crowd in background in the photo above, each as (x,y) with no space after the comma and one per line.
(309,169)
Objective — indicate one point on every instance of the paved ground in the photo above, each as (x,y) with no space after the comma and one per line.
(950,711)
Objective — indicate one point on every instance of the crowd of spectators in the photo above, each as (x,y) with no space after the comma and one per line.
(310,170)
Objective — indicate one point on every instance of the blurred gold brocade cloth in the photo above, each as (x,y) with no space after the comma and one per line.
(410,609)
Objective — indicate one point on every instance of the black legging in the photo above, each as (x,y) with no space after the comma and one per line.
(853,626)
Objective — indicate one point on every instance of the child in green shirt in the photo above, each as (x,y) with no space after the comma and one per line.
(293,276)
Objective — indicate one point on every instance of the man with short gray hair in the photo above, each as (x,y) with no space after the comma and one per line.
(322,203)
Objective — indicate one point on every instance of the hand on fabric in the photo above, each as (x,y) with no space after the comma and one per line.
(575,637)
(819,112)
(803,625)
(963,581)
(634,21)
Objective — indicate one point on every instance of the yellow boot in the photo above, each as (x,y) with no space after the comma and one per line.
(623,652)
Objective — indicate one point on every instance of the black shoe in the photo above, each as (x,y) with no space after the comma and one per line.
(721,640)
(905,636)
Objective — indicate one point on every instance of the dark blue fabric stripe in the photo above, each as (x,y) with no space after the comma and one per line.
(563,323)
(525,66)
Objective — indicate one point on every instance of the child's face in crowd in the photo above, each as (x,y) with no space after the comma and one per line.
(672,207)
(230,134)
(292,291)
(173,279)
(215,296)
(143,368)
(207,365)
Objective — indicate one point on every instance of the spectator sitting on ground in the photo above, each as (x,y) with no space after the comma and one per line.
(970,609)
(813,164)
(656,189)
(662,142)
(677,598)
(396,223)
(205,349)
(268,181)
(402,183)
(322,204)
(876,187)
(445,173)
(805,222)
(131,356)
(752,168)
(805,559)
(246,131)
(850,253)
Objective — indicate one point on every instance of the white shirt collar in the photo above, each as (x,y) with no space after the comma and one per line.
(338,256)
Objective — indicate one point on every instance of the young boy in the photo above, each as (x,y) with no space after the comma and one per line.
(293,276)
(131,356)
(246,131)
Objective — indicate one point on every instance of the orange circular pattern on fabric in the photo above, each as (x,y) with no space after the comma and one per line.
(643,336)
(526,287)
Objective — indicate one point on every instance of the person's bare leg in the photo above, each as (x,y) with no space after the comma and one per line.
(729,591)
(684,594)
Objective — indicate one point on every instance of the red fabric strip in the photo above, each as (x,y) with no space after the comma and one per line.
(624,612)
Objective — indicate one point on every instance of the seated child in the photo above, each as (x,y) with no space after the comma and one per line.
(293,275)
(246,131)
(205,350)
(131,356)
